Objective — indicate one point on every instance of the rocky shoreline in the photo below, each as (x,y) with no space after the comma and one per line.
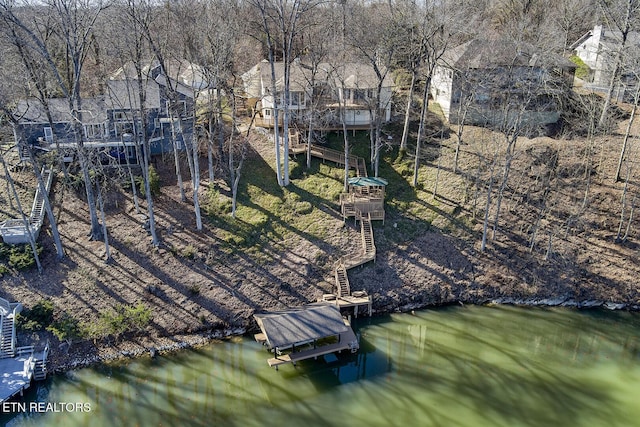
(128,350)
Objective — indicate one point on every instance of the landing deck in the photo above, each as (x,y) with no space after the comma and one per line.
(16,375)
(346,301)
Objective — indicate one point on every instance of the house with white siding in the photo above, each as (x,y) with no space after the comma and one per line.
(325,91)
(485,82)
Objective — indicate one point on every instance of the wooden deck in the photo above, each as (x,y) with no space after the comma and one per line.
(16,375)
(356,300)
(335,156)
(346,341)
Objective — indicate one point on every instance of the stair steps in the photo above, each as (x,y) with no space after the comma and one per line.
(342,280)
(7,339)
(40,369)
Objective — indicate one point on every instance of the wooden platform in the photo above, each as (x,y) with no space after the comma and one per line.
(348,301)
(347,341)
(17,373)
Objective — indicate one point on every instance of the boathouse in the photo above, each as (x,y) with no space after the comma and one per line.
(304,333)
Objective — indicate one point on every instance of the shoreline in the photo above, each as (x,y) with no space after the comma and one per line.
(129,350)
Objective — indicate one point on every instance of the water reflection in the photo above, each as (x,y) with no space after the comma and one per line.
(472,366)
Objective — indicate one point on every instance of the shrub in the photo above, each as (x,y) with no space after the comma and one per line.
(189,251)
(154,183)
(582,69)
(36,318)
(121,320)
(19,257)
(65,327)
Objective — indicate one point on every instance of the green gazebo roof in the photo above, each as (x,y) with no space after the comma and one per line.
(361,181)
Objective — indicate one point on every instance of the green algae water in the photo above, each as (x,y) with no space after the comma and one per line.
(463,366)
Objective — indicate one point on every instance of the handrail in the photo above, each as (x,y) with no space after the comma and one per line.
(5,305)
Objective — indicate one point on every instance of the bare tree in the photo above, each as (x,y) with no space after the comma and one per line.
(281,20)
(134,52)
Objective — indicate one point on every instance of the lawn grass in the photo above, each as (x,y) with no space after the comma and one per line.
(269,216)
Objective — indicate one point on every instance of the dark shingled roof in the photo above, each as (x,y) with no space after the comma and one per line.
(286,328)
(31,110)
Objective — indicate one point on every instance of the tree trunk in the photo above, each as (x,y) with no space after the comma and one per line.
(407,115)
(423,118)
(107,248)
(176,158)
(627,133)
(625,28)
(505,178)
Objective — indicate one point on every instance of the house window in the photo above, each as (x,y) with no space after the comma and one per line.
(267,113)
(347,95)
(119,115)
(48,135)
(296,98)
(123,127)
(360,95)
(94,130)
(179,108)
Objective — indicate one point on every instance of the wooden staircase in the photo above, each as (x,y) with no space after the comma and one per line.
(367,237)
(8,328)
(40,365)
(14,231)
(349,207)
(342,280)
(8,344)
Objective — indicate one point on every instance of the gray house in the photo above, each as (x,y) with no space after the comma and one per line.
(485,82)
(113,121)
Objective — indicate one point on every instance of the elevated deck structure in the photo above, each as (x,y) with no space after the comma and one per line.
(18,365)
(305,333)
(18,231)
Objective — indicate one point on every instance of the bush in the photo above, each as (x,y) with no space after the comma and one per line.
(19,257)
(582,69)
(121,320)
(36,318)
(154,183)
(65,327)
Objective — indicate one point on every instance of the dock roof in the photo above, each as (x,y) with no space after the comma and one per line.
(300,325)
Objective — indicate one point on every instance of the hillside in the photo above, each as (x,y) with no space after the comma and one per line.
(281,248)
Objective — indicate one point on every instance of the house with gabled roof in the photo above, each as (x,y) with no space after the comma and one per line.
(486,82)
(325,90)
(597,48)
(113,120)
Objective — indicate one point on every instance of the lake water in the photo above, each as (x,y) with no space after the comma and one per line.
(462,366)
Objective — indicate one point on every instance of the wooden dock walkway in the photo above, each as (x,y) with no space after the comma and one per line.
(366,205)
(335,156)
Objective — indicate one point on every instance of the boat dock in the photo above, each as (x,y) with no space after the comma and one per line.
(305,333)
(345,342)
